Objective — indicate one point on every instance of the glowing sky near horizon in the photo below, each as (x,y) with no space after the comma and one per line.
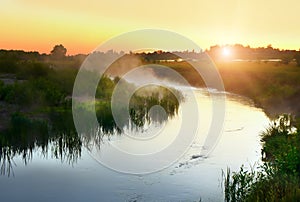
(82,25)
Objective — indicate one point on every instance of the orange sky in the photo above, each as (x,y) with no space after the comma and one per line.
(81,27)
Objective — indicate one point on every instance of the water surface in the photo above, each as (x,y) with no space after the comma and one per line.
(48,178)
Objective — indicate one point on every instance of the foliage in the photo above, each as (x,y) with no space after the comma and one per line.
(28,70)
(58,52)
(279,177)
(105,88)
(36,92)
(272,86)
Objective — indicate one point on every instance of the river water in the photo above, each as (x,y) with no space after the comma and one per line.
(189,179)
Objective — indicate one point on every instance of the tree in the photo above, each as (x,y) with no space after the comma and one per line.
(59,52)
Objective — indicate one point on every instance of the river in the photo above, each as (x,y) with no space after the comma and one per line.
(45,178)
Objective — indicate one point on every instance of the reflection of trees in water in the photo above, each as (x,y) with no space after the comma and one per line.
(25,136)
(140,107)
(65,142)
(20,139)
(59,138)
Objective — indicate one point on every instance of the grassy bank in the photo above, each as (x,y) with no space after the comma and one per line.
(278,178)
(273,86)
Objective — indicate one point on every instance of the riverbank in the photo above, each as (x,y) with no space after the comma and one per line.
(273,86)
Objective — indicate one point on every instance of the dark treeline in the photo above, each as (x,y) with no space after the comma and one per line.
(261,53)
(12,60)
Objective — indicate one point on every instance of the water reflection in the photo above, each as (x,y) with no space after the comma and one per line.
(25,136)
(187,180)
(56,135)
(140,106)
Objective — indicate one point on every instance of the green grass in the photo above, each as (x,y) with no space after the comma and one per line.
(278,178)
(273,86)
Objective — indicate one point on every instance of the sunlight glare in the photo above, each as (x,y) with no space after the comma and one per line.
(226,51)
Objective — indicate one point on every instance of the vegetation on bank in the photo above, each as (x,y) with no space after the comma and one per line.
(278,178)
(273,86)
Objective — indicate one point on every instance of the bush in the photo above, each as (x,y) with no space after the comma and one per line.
(29,69)
(17,94)
(8,66)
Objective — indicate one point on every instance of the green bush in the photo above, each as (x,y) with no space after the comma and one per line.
(29,69)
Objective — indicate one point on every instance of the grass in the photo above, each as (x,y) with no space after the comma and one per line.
(278,178)
(273,86)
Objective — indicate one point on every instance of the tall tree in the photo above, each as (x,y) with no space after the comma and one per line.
(59,52)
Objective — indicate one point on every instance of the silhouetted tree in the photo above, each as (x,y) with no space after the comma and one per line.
(59,52)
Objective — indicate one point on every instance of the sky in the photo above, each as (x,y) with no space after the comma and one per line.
(81,25)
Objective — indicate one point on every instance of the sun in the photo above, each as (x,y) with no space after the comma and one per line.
(226,51)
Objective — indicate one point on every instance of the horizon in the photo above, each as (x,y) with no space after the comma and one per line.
(81,26)
(151,51)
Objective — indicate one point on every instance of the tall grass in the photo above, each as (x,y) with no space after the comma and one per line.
(277,179)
